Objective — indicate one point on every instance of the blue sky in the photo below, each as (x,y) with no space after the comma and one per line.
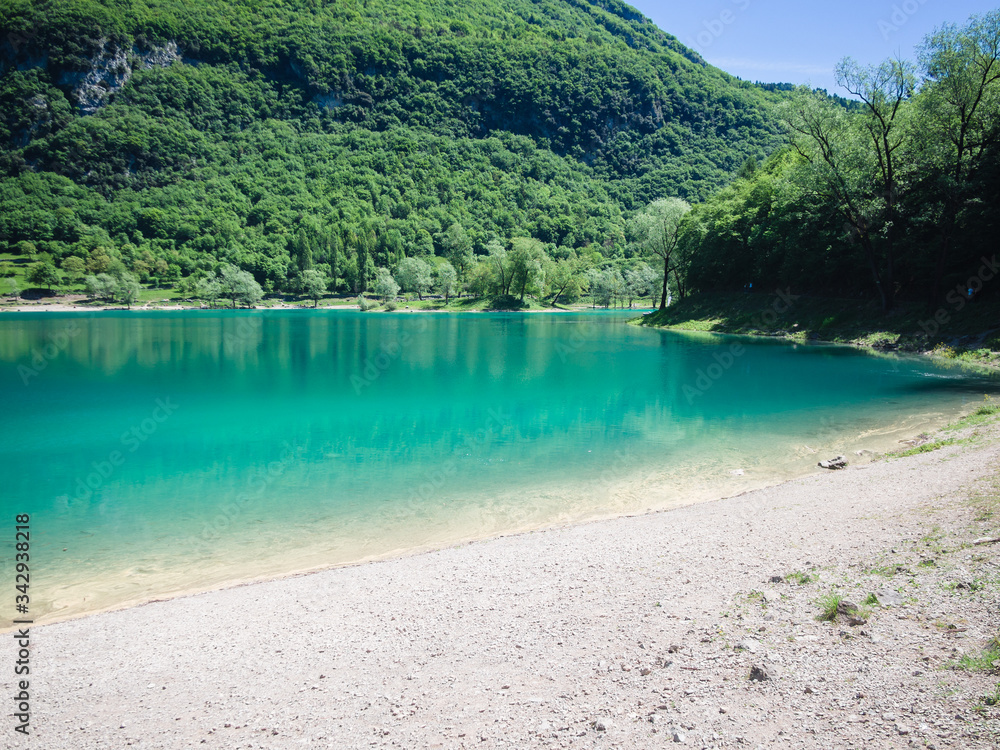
(801,42)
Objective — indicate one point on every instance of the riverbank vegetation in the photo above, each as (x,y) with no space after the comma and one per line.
(972,333)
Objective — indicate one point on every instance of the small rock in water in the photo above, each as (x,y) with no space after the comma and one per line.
(834,463)
(737,472)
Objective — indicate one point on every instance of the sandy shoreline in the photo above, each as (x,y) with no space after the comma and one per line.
(624,632)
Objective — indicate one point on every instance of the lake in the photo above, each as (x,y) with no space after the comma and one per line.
(165,452)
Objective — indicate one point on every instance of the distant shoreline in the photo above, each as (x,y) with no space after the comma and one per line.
(66,307)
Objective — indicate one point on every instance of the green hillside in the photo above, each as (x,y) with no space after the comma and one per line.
(165,137)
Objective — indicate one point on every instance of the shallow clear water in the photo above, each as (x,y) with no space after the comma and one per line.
(165,452)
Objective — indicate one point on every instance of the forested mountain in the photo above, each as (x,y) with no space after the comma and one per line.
(165,137)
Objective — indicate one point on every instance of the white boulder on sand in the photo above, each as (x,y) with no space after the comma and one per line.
(636,632)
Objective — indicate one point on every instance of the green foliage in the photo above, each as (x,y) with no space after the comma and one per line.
(43,274)
(657,232)
(385,287)
(101,286)
(314,284)
(239,286)
(986,660)
(365,304)
(828,604)
(127,289)
(293,135)
(895,198)
(926,447)
(445,280)
(413,275)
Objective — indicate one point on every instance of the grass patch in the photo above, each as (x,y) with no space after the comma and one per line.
(983,415)
(828,604)
(887,571)
(992,699)
(986,660)
(799,577)
(928,447)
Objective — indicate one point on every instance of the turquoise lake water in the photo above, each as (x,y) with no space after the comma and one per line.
(166,452)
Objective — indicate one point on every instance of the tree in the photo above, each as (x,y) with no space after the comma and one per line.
(565,278)
(101,286)
(314,284)
(883,89)
(385,287)
(656,230)
(236,284)
(479,279)
(413,275)
(961,104)
(606,285)
(641,281)
(127,289)
(99,261)
(526,271)
(74,267)
(446,280)
(499,267)
(209,289)
(458,249)
(43,274)
(837,169)
(364,242)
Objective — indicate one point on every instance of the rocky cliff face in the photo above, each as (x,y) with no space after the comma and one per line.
(97,76)
(110,69)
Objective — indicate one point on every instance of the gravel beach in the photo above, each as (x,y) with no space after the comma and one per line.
(692,627)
